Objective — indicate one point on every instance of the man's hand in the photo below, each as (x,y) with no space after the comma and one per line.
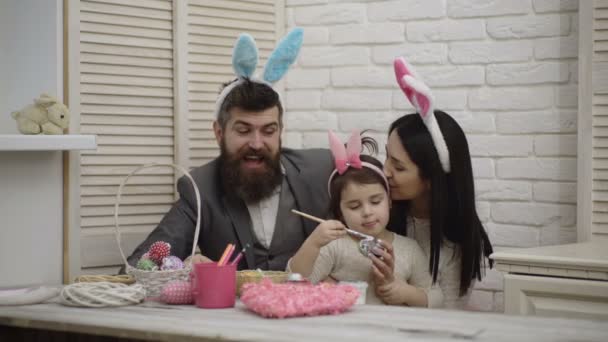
(326,232)
(196,259)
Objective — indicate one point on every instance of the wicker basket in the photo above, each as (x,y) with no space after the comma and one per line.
(253,276)
(153,281)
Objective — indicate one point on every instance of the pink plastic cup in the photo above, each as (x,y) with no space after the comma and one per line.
(213,287)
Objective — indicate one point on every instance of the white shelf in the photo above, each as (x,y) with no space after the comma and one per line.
(20,142)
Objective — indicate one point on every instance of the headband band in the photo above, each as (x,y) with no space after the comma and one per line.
(363,164)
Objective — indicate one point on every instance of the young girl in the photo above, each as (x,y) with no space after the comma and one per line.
(360,198)
(431,180)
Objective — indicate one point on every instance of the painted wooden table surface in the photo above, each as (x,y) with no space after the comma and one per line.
(362,323)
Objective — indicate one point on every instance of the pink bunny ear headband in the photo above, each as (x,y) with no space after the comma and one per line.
(420,97)
(345,157)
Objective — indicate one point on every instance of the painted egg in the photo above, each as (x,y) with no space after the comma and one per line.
(171,263)
(146,265)
(177,292)
(159,250)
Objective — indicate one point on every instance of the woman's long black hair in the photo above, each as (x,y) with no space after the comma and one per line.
(453,212)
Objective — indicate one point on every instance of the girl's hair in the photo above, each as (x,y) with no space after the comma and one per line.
(453,212)
(364,175)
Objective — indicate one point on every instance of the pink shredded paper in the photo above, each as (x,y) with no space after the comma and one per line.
(272,300)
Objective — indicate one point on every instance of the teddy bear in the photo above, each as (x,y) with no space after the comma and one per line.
(45,116)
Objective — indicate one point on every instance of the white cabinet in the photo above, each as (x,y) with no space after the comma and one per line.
(33,169)
(556,281)
(556,297)
(31,207)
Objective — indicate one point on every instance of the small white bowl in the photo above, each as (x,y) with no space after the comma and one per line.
(359,285)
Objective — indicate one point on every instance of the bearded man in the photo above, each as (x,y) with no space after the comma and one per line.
(247,193)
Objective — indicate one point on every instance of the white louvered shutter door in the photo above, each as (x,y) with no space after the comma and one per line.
(599,86)
(213,26)
(150,71)
(126,95)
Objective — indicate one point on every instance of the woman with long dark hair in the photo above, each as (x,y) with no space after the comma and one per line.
(428,166)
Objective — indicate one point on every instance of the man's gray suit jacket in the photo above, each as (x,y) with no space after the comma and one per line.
(225,218)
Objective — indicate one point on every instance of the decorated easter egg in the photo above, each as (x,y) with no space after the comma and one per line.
(171,263)
(159,250)
(177,292)
(147,265)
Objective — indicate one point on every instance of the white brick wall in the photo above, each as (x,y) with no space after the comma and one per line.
(449,31)
(506,70)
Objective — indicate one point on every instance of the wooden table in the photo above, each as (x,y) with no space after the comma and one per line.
(558,281)
(363,323)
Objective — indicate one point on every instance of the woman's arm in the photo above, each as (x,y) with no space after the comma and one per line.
(421,278)
(449,279)
(399,292)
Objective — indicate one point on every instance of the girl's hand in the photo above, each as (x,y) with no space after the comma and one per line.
(391,293)
(326,232)
(383,264)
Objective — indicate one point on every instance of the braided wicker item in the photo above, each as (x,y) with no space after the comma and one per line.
(121,278)
(256,276)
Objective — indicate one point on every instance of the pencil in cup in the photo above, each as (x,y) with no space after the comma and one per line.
(239,256)
(226,255)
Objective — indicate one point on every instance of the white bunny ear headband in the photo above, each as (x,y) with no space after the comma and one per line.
(421,98)
(245,60)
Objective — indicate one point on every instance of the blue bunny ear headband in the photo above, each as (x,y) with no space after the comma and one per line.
(245,60)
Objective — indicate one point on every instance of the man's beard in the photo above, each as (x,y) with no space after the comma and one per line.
(250,186)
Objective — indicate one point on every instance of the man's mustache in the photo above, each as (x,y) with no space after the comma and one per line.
(254,153)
